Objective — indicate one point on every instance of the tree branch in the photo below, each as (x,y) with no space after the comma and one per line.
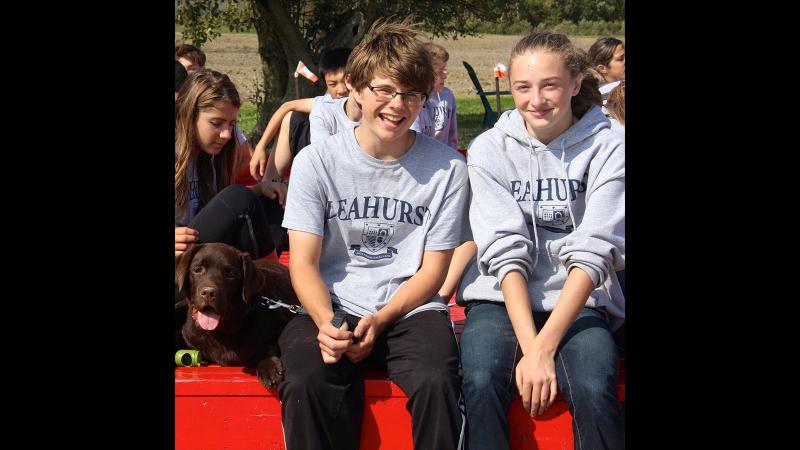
(289,35)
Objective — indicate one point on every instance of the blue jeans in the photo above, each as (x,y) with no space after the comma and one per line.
(586,371)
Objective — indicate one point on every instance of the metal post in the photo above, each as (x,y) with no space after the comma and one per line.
(497,93)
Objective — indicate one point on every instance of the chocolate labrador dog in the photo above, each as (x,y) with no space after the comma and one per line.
(227,321)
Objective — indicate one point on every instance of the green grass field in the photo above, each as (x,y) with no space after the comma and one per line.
(469,112)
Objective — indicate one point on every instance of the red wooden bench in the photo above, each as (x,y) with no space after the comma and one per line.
(226,408)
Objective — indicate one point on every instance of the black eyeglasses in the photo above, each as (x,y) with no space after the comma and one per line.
(385,94)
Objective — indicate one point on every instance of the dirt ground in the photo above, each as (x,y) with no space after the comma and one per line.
(237,56)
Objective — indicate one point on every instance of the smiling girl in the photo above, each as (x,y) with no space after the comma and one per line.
(548,216)
(208,207)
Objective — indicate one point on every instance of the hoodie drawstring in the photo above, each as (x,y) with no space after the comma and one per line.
(569,185)
(533,206)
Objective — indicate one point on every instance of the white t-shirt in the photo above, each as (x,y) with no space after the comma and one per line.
(438,118)
(328,118)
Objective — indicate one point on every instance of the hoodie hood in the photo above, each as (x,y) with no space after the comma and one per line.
(512,124)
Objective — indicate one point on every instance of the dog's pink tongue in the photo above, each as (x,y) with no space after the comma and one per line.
(207,321)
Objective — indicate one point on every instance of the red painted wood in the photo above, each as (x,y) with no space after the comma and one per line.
(244,177)
(225,407)
(284,258)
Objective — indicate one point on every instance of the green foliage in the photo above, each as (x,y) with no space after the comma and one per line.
(511,24)
(574,17)
(586,28)
(518,26)
(248,115)
(202,20)
(554,11)
(592,10)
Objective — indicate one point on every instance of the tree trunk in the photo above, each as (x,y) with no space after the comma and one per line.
(281,45)
(273,70)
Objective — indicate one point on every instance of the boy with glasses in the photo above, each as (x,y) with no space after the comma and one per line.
(374,213)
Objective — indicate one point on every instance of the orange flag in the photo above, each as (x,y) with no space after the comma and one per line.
(304,71)
(500,70)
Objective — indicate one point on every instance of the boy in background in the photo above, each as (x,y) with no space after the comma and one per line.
(291,120)
(191,57)
(438,117)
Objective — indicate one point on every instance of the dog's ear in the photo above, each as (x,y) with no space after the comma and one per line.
(252,279)
(182,264)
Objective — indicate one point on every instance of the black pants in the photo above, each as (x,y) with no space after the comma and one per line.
(299,132)
(323,404)
(239,217)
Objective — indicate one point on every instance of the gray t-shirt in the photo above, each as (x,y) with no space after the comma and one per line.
(328,118)
(438,118)
(377,218)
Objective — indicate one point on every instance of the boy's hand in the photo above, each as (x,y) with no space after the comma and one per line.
(333,342)
(184,238)
(366,333)
(273,190)
(257,162)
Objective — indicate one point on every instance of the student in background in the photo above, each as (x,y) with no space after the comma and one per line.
(607,56)
(180,77)
(191,57)
(438,118)
(334,116)
(616,107)
(291,120)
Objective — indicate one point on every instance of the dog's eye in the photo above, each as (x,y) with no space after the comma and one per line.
(231,273)
(197,270)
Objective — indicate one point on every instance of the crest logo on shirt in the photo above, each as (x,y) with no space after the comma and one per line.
(375,237)
(553,214)
(553,217)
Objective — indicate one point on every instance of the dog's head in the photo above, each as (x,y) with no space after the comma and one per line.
(218,281)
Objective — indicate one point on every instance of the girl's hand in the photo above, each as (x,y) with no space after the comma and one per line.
(536,382)
(184,238)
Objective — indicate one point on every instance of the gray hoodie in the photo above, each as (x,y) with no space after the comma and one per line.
(585,164)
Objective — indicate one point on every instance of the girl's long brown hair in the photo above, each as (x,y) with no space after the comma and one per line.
(203,90)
